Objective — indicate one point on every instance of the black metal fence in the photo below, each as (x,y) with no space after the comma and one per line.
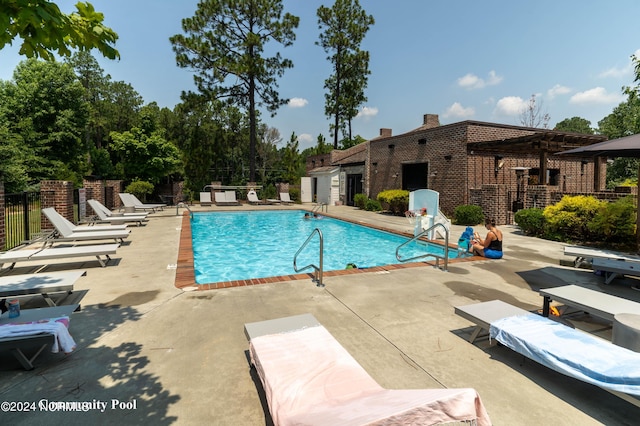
(22,217)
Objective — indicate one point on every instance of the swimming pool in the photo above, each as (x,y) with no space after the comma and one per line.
(257,244)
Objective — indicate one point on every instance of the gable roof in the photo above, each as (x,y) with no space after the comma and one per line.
(355,154)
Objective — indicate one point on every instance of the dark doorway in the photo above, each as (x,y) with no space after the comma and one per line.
(414,176)
(354,186)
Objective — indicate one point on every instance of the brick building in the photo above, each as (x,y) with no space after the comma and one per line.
(500,167)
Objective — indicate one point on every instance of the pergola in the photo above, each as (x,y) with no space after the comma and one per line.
(542,142)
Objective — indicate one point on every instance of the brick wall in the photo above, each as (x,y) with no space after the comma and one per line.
(456,172)
(494,201)
(59,195)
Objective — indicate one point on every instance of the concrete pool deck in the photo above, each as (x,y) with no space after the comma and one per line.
(169,356)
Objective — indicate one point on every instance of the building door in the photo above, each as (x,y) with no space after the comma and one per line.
(306,194)
(414,176)
(354,186)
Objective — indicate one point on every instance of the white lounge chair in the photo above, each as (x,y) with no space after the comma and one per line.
(226,198)
(564,349)
(296,356)
(285,198)
(103,217)
(98,250)
(109,213)
(44,284)
(48,333)
(61,222)
(205,198)
(612,263)
(63,233)
(131,201)
(252,198)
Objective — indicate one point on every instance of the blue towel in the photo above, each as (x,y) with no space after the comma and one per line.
(571,352)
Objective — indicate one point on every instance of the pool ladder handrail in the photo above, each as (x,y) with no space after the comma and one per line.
(322,207)
(186,206)
(318,269)
(438,257)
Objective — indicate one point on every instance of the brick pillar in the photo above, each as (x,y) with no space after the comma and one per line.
(94,190)
(495,203)
(3,237)
(177,190)
(112,199)
(59,195)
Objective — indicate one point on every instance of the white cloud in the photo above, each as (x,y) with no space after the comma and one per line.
(458,111)
(297,102)
(367,112)
(510,105)
(472,81)
(619,72)
(305,138)
(557,90)
(597,95)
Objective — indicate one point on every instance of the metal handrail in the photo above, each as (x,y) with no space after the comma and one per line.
(186,206)
(318,269)
(438,257)
(322,207)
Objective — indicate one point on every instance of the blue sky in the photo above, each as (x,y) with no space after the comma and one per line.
(460,59)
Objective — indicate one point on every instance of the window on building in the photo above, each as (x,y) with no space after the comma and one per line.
(553,177)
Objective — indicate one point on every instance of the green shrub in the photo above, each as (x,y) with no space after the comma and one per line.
(568,218)
(269,191)
(531,221)
(360,200)
(140,189)
(294,194)
(372,205)
(394,200)
(614,222)
(468,215)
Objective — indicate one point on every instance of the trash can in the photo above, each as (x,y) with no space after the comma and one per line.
(626,331)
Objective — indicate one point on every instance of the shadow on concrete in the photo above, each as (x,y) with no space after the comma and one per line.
(268,421)
(114,375)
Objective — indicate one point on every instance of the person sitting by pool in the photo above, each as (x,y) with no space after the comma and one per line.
(491,246)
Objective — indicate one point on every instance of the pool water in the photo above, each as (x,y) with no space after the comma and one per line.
(257,244)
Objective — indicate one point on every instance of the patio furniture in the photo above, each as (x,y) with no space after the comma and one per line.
(586,255)
(226,198)
(484,313)
(205,198)
(596,303)
(64,233)
(44,284)
(564,349)
(285,198)
(18,340)
(106,216)
(310,379)
(48,253)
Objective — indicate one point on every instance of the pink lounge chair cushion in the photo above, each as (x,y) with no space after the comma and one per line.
(309,378)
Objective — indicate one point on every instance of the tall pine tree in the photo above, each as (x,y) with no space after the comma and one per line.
(224,44)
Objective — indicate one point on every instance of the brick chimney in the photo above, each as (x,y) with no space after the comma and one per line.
(385,133)
(430,121)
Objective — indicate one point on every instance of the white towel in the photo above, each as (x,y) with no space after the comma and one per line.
(55,326)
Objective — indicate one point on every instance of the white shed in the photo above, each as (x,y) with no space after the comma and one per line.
(325,184)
